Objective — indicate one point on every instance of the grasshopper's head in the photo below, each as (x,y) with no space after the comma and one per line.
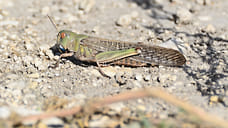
(63,40)
(69,41)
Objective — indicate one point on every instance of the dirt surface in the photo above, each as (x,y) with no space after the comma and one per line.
(197,28)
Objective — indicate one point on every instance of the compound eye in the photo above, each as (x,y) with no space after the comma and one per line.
(63,35)
(62,48)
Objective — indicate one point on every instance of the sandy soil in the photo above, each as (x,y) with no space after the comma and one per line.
(197,28)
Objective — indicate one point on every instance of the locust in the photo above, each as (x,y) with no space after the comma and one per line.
(104,52)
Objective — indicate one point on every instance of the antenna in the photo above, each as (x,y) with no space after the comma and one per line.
(53,23)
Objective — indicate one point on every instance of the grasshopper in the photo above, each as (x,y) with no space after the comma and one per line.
(105,52)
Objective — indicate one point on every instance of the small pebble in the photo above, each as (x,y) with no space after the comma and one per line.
(134,15)
(184,15)
(163,78)
(1,17)
(210,28)
(33,85)
(44,47)
(40,64)
(133,125)
(214,99)
(53,121)
(200,2)
(34,75)
(18,84)
(29,46)
(103,121)
(177,1)
(147,77)
(208,2)
(138,77)
(204,2)
(138,84)
(204,18)
(159,1)
(50,54)
(13,37)
(141,108)
(86,5)
(118,107)
(45,10)
(4,12)
(173,77)
(80,96)
(133,5)
(96,29)
(225,100)
(120,78)
(124,20)
(12,76)
(27,60)
(5,112)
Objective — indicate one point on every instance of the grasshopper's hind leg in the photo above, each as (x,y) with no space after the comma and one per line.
(101,71)
(110,56)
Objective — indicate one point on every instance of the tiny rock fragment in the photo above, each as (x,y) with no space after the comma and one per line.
(184,15)
(96,29)
(138,77)
(176,1)
(9,22)
(1,17)
(45,10)
(13,37)
(208,2)
(124,20)
(118,107)
(18,84)
(210,28)
(5,112)
(29,45)
(49,54)
(53,121)
(34,75)
(214,99)
(33,85)
(204,2)
(40,64)
(4,12)
(44,47)
(86,5)
(147,78)
(200,2)
(141,108)
(204,18)
(120,78)
(133,5)
(134,15)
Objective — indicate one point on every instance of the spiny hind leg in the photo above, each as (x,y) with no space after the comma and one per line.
(101,71)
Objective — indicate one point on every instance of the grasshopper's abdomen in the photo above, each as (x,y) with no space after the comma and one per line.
(154,55)
(160,56)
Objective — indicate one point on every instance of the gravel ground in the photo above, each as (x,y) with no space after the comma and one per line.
(197,28)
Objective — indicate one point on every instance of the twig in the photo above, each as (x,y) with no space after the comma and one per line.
(148,92)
